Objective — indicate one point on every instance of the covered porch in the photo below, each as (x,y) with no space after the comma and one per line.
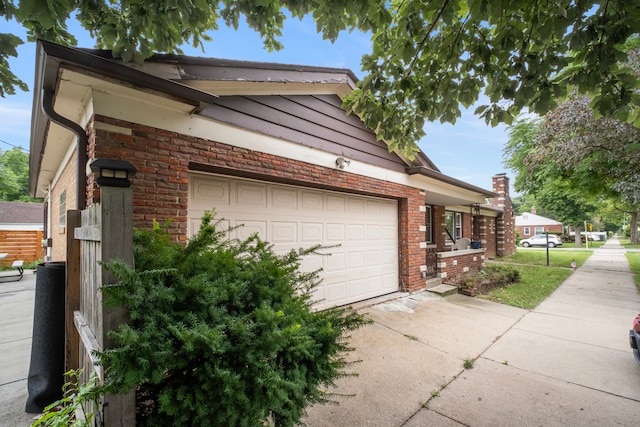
(464,225)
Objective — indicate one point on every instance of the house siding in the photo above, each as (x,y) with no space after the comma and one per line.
(316,121)
(555,229)
(164,160)
(65,183)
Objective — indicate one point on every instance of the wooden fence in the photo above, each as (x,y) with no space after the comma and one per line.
(21,244)
(102,232)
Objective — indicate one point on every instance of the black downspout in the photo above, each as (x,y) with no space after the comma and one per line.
(81,134)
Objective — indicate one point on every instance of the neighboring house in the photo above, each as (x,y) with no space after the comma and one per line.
(265,145)
(21,231)
(529,224)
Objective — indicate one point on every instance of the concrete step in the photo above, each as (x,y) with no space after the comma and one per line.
(433,282)
(444,290)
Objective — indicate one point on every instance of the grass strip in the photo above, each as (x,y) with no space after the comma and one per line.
(634,263)
(537,281)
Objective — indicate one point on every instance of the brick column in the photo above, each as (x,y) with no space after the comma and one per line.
(505,225)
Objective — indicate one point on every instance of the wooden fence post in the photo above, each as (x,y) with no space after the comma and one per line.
(72,293)
(116,199)
(117,234)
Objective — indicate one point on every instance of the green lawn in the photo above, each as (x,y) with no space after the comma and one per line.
(634,262)
(536,284)
(537,281)
(557,258)
(626,243)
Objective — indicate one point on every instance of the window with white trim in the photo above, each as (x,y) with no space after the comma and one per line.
(428,222)
(453,223)
(539,230)
(63,209)
(527,231)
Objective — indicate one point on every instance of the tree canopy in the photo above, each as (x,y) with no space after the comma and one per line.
(14,176)
(427,59)
(538,175)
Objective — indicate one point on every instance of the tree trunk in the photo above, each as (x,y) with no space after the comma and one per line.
(578,240)
(634,227)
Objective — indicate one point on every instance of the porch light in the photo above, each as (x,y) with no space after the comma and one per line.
(112,172)
(342,163)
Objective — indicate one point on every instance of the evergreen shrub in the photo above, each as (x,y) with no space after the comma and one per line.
(222,332)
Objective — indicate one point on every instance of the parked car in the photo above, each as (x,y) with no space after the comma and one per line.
(634,338)
(541,240)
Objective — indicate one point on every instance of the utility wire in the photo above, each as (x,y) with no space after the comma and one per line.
(14,146)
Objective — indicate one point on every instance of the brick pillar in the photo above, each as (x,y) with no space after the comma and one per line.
(439,233)
(505,225)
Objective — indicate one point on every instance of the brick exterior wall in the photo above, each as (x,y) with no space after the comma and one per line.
(439,233)
(453,265)
(66,183)
(164,160)
(505,224)
(488,235)
(555,229)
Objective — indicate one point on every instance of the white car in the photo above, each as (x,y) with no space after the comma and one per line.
(541,240)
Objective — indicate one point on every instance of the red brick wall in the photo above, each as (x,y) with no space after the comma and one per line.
(505,224)
(453,265)
(164,159)
(557,229)
(488,235)
(439,233)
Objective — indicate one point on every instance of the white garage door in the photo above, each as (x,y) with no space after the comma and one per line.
(365,264)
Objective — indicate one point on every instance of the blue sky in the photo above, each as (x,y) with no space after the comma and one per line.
(470,150)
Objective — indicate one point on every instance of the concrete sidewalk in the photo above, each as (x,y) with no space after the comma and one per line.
(565,363)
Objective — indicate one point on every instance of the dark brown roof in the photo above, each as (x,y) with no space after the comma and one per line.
(21,213)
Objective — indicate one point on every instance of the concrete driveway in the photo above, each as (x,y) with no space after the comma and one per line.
(565,363)
(16,328)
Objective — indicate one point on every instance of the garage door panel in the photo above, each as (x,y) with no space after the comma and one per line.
(372,258)
(336,232)
(388,233)
(285,199)
(356,259)
(311,201)
(311,263)
(335,262)
(250,195)
(373,284)
(311,233)
(251,227)
(373,232)
(387,257)
(357,288)
(335,204)
(362,231)
(355,232)
(213,191)
(335,292)
(284,232)
(373,208)
(355,206)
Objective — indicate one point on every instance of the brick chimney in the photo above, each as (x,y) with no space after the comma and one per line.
(505,224)
(533,210)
